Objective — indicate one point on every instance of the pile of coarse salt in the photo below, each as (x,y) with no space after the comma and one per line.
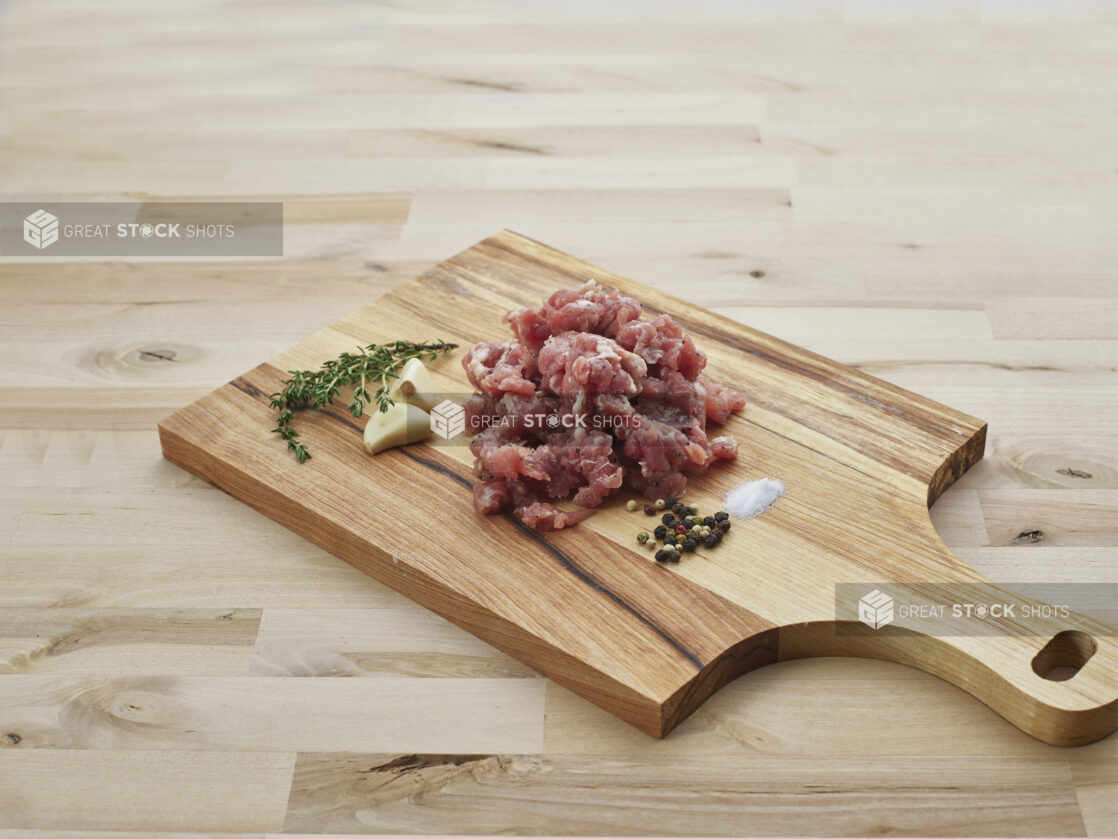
(749,499)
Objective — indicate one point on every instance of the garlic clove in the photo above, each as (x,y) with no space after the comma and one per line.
(414,386)
(400,425)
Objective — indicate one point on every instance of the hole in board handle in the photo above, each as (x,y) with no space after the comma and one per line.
(1064,655)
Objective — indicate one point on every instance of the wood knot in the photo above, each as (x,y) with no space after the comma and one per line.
(12,739)
(1074,473)
(1028,536)
(157,354)
(147,361)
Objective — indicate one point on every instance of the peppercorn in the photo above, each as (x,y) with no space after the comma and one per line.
(710,521)
(688,546)
(674,557)
(669,540)
(662,556)
(660,532)
(668,519)
(724,525)
(650,544)
(717,534)
(688,511)
(649,510)
(658,504)
(671,500)
(721,516)
(706,531)
(642,537)
(630,505)
(710,540)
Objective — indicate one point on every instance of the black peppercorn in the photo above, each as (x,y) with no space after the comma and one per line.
(660,532)
(723,526)
(674,557)
(688,511)
(669,540)
(671,501)
(688,546)
(718,534)
(710,541)
(649,510)
(710,521)
(662,555)
(678,509)
(667,518)
(721,516)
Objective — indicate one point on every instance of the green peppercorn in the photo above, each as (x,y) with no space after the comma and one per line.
(710,541)
(662,556)
(642,537)
(649,510)
(689,546)
(630,505)
(660,532)
(659,504)
(721,516)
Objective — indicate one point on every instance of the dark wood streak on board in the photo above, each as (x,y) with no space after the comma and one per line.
(538,538)
(570,565)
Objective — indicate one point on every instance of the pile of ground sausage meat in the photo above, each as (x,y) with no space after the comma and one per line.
(585,398)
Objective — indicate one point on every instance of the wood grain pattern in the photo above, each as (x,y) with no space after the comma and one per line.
(368,793)
(259,713)
(188,641)
(863,458)
(169,790)
(946,223)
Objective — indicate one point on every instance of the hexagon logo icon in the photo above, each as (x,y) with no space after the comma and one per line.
(40,229)
(448,419)
(875,610)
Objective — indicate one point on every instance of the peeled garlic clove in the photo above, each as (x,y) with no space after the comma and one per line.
(400,425)
(414,385)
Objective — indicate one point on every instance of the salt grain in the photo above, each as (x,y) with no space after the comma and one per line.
(748,500)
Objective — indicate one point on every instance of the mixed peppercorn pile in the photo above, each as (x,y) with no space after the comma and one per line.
(681,530)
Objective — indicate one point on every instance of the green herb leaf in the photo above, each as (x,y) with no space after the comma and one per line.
(316,389)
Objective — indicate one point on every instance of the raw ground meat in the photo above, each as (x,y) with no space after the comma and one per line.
(585,398)
(572,363)
(501,366)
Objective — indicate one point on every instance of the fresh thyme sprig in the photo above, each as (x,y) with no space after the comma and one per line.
(314,389)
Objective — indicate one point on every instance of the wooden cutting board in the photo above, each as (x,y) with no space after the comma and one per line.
(588,606)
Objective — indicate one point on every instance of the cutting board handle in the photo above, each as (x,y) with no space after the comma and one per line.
(1055,678)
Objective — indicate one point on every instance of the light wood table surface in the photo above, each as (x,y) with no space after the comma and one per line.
(926,190)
